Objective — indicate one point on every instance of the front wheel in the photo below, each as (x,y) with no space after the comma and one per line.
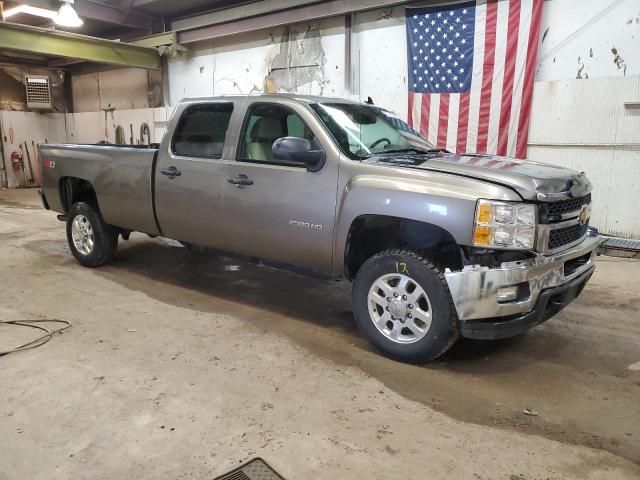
(92,241)
(402,304)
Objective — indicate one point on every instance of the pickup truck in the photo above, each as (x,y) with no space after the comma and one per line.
(438,245)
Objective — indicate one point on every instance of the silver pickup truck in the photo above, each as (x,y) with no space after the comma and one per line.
(438,245)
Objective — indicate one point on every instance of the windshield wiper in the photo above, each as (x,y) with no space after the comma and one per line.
(415,150)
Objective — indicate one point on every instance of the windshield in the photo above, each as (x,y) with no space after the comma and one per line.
(363,131)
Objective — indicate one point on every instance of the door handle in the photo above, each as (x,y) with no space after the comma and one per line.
(240,181)
(171,172)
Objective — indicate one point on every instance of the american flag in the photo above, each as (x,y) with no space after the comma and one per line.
(471,74)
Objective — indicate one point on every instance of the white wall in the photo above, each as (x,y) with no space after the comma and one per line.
(123,88)
(379,53)
(256,61)
(579,39)
(584,125)
(94,127)
(29,127)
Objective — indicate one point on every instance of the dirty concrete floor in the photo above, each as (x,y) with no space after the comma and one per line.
(182,365)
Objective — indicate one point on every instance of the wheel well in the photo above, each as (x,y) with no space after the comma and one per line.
(371,234)
(73,190)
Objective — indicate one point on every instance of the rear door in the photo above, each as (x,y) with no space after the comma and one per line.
(273,210)
(190,171)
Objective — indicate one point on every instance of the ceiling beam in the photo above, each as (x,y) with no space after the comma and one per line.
(34,40)
(113,13)
(239,12)
(167,38)
(304,13)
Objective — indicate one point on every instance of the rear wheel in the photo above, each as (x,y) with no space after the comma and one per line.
(402,304)
(92,241)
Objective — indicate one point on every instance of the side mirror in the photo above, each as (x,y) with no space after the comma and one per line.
(298,150)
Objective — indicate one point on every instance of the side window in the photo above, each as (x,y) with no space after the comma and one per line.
(202,129)
(265,124)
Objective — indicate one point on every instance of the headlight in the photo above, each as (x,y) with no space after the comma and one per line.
(504,225)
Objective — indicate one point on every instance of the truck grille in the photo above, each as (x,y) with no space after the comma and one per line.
(562,222)
(555,210)
(564,236)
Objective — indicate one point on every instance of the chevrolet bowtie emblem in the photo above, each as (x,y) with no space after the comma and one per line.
(584,215)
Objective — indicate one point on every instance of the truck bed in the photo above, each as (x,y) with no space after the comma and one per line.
(122,176)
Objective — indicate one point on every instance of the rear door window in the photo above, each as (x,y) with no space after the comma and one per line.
(202,130)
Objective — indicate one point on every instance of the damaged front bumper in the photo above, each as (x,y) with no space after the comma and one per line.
(503,302)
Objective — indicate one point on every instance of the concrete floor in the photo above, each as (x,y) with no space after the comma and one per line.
(182,365)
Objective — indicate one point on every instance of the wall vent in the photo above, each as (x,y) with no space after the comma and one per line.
(38,92)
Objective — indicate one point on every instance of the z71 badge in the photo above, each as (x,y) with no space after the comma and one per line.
(49,164)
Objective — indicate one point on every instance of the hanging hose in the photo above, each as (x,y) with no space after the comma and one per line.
(34,324)
(144,131)
(120,140)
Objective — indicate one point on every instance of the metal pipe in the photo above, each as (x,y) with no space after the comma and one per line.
(5,182)
(348,22)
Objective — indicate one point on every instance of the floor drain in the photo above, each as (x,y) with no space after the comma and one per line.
(256,469)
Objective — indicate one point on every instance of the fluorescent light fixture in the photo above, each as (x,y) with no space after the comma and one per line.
(67,16)
(29,10)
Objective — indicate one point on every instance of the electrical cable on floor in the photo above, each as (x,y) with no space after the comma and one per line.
(34,324)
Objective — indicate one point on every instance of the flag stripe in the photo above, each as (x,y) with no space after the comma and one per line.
(410,109)
(463,122)
(452,124)
(509,73)
(434,114)
(487,73)
(476,84)
(502,24)
(424,114)
(527,93)
(443,122)
(521,58)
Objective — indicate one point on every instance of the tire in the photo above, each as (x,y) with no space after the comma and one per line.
(90,226)
(423,331)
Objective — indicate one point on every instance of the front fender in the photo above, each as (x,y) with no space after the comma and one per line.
(445,201)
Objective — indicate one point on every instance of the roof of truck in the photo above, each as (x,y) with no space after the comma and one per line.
(293,96)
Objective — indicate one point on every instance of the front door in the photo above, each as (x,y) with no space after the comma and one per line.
(275,210)
(190,172)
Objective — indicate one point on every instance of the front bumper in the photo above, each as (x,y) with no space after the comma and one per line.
(550,302)
(475,288)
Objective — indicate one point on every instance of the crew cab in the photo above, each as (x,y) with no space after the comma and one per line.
(438,245)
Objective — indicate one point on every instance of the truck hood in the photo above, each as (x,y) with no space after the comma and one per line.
(532,180)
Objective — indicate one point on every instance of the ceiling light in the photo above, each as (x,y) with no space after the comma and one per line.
(67,16)
(28,9)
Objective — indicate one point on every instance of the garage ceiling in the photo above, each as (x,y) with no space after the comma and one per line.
(121,19)
(174,9)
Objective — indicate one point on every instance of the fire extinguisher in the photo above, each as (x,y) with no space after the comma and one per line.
(16,161)
(18,164)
